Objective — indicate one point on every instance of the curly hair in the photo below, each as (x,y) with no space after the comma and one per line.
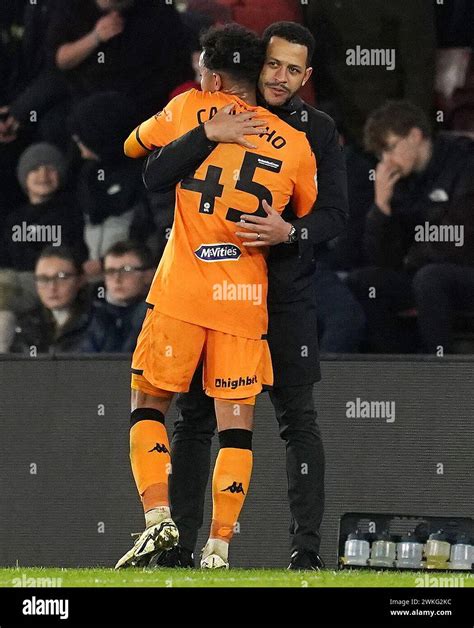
(234,50)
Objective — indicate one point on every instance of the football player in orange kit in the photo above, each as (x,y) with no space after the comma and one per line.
(208,298)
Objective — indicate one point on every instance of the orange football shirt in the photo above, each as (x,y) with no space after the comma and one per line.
(206,276)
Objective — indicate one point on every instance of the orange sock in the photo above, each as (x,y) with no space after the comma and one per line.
(150,459)
(230,484)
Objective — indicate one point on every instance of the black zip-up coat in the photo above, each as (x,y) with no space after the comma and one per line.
(432,196)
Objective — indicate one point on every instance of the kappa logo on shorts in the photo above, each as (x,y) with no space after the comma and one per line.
(220,252)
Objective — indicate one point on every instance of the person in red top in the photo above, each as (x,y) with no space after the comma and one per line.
(208,298)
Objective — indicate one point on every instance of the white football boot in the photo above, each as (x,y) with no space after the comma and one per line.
(215,555)
(161,536)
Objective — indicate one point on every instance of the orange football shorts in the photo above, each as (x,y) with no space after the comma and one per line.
(169,350)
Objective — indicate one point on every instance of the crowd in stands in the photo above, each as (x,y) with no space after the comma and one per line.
(81,237)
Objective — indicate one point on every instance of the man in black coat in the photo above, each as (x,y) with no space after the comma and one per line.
(418,233)
(35,85)
(120,45)
(292,333)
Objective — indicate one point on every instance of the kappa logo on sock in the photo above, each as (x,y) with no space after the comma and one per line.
(161,449)
(234,488)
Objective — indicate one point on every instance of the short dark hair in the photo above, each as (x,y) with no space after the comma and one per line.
(235,50)
(130,246)
(64,253)
(397,117)
(294,33)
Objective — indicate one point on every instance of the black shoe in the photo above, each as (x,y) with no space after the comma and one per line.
(175,557)
(302,559)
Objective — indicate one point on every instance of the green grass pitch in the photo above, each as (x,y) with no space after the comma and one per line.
(31,577)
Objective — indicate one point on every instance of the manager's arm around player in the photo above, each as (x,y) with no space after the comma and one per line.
(292,312)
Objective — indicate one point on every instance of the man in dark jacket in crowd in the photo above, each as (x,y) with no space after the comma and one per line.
(127,46)
(36,88)
(117,318)
(418,230)
(59,323)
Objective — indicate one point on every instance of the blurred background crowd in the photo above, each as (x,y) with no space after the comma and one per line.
(78,250)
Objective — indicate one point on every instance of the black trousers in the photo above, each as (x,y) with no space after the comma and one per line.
(190,451)
(437,290)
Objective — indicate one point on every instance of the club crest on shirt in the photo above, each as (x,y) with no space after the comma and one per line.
(220,252)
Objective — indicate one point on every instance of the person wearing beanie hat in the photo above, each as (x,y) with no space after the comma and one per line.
(47,218)
(110,191)
(50,165)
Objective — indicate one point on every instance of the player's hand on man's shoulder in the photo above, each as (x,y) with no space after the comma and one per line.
(230,128)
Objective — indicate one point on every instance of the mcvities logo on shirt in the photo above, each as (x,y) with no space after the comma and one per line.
(221,252)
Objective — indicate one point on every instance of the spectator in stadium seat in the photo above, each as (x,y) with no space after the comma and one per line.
(35,85)
(117,319)
(59,322)
(110,192)
(421,184)
(48,217)
(42,173)
(139,41)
